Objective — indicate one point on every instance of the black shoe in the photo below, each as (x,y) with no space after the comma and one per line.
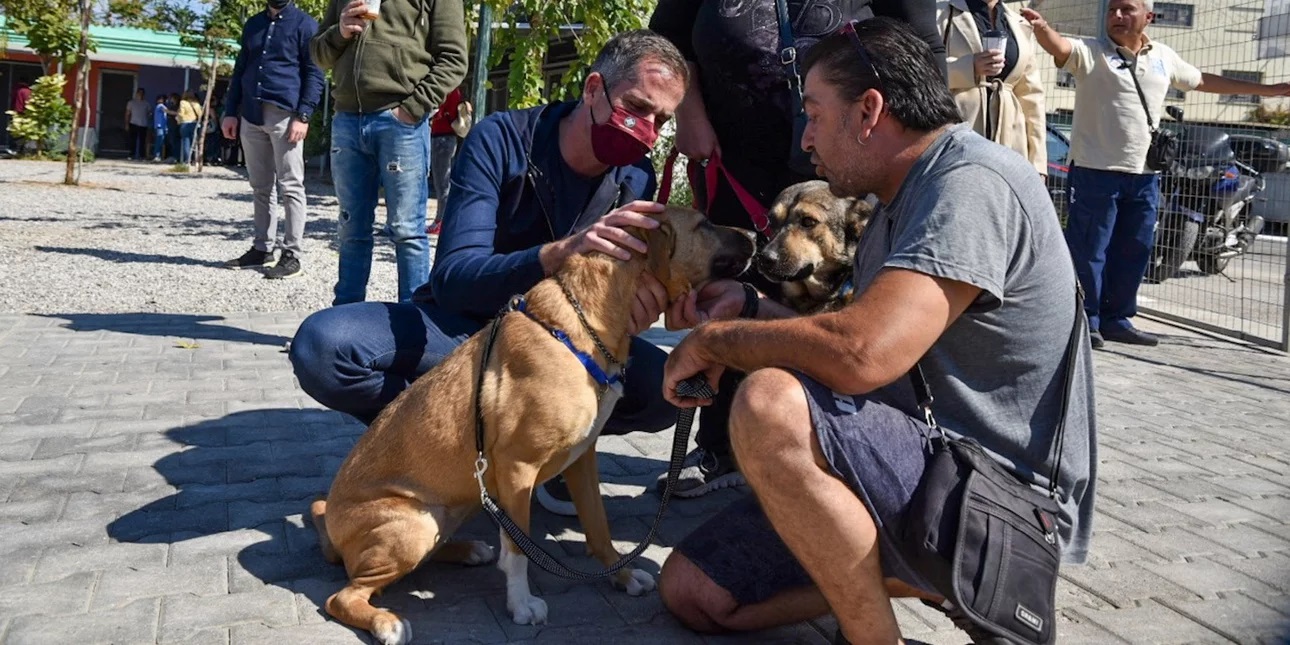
(252,258)
(1095,339)
(703,472)
(288,267)
(1131,336)
(554,497)
(961,620)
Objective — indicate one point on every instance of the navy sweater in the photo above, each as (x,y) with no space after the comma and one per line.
(274,66)
(512,192)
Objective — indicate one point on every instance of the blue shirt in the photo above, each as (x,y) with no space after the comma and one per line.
(274,66)
(501,210)
(159,116)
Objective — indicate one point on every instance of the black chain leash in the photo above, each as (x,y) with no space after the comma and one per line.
(582,318)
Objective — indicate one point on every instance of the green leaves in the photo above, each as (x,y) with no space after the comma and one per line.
(51,27)
(47,115)
(528,26)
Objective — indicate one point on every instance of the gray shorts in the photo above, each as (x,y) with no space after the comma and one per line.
(879,451)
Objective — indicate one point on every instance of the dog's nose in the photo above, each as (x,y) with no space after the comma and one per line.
(768,256)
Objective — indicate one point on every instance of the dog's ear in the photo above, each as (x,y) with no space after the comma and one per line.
(662,246)
(858,212)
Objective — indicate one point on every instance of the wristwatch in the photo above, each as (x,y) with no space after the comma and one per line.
(302,117)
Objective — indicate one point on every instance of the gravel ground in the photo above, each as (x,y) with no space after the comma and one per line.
(136,238)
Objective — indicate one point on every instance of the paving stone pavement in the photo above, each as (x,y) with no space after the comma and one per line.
(154,469)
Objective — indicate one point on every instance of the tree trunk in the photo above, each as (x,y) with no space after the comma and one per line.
(82,79)
(206,111)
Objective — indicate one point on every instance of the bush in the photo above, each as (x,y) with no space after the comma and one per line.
(46,117)
(1275,115)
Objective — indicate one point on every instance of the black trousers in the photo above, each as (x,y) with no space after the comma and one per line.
(139,139)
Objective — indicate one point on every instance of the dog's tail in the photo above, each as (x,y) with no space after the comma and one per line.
(318,511)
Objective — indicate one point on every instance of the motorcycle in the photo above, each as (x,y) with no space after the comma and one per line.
(1205,199)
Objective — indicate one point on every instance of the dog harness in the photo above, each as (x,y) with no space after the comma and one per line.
(520,304)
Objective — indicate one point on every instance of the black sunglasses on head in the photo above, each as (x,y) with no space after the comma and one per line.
(850,30)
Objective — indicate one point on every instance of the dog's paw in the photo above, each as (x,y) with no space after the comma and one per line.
(635,582)
(392,630)
(528,611)
(480,553)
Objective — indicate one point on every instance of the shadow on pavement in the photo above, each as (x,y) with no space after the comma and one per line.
(245,481)
(124,257)
(158,324)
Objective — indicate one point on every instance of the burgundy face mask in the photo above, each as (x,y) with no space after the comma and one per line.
(622,140)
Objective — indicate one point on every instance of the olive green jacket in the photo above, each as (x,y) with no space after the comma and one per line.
(412,56)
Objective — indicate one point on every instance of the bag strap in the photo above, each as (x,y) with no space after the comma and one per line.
(787,48)
(923,393)
(1133,72)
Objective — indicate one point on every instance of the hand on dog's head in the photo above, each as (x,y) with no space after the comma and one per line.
(687,251)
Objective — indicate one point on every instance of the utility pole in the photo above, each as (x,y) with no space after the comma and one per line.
(483,41)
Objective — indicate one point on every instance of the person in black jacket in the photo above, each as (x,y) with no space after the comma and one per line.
(738,106)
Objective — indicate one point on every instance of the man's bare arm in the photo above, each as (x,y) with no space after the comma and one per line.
(1054,43)
(1215,84)
(869,344)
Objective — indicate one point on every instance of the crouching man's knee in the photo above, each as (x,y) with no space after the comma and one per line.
(692,597)
(770,420)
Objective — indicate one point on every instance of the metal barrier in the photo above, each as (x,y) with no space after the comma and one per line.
(1226,274)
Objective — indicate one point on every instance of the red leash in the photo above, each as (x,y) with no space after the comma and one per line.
(712,172)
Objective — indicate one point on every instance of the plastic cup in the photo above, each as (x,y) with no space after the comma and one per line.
(373,9)
(994,41)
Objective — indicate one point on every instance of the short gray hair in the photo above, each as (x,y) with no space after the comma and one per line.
(621,57)
(1149,5)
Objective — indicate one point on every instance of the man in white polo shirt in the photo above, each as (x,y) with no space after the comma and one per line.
(1113,197)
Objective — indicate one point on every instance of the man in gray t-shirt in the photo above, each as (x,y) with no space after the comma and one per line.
(964,270)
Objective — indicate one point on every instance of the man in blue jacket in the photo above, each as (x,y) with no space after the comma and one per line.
(530,188)
(274,89)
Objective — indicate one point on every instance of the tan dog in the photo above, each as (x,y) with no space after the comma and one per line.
(814,246)
(409,482)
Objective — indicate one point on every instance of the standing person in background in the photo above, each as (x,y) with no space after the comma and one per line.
(172,127)
(390,72)
(159,130)
(443,145)
(20,98)
(993,64)
(138,115)
(1113,196)
(738,107)
(187,115)
(272,94)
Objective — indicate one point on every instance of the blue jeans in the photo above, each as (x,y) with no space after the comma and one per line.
(370,151)
(1110,232)
(159,143)
(187,131)
(356,358)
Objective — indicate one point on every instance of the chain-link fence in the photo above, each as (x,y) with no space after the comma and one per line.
(1220,255)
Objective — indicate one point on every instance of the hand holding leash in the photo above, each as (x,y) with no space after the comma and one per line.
(685,364)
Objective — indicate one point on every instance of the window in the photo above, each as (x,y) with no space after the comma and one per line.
(1065,79)
(1175,95)
(1256,77)
(1174,14)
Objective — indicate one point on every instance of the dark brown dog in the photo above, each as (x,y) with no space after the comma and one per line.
(813,247)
